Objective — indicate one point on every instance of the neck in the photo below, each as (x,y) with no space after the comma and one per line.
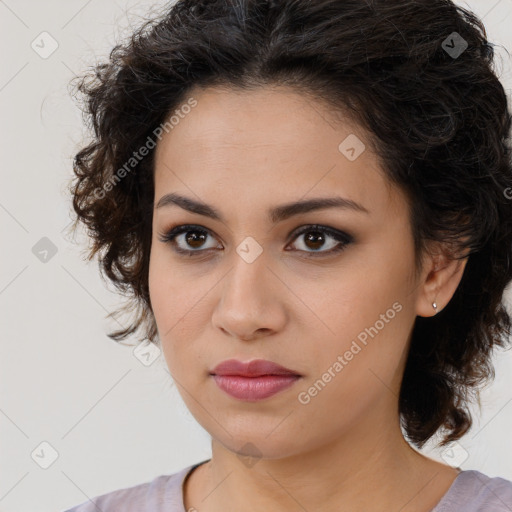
(370,469)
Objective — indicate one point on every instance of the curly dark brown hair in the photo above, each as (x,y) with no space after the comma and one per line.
(417,74)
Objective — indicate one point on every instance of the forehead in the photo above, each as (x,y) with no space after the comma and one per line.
(268,145)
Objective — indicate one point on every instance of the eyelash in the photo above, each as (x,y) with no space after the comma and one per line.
(344,239)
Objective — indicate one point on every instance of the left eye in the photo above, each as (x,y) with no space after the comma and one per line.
(195,236)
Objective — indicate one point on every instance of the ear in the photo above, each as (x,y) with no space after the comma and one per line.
(441,275)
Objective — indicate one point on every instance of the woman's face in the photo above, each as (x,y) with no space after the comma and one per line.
(255,289)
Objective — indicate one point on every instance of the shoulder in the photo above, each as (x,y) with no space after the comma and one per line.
(473,491)
(162,494)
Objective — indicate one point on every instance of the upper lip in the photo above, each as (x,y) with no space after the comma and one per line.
(254,368)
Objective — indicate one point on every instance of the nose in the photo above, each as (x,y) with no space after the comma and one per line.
(250,301)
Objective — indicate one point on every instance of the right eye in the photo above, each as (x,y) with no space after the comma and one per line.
(193,236)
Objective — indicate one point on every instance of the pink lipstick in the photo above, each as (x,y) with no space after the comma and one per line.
(254,380)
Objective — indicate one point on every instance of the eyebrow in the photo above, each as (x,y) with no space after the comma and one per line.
(276,214)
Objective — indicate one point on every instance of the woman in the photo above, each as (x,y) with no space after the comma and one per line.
(311,203)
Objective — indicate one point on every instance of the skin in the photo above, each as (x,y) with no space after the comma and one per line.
(243,153)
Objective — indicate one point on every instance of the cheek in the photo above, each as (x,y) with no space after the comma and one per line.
(365,320)
(166,289)
(156,283)
(176,309)
(164,292)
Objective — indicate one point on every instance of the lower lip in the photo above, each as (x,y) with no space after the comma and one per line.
(254,388)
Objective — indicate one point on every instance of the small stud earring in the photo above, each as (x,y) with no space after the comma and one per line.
(434,305)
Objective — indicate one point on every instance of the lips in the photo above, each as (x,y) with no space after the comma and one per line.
(255,368)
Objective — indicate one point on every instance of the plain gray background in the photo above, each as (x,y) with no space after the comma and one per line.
(72,399)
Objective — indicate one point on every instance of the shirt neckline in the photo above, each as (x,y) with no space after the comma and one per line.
(186,472)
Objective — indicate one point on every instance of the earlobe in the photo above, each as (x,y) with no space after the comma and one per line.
(440,284)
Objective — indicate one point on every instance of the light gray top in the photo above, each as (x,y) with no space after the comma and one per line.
(471,491)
